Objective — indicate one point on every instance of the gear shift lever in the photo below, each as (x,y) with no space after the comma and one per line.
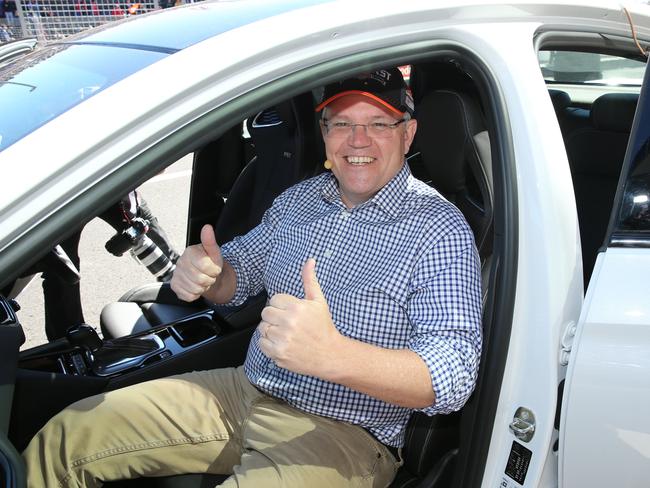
(116,355)
(84,336)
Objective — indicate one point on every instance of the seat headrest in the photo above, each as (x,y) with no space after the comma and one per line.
(614,111)
(560,99)
(447,122)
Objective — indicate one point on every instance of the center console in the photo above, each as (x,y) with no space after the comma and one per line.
(83,353)
(54,375)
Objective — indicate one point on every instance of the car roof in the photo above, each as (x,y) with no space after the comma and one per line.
(180,27)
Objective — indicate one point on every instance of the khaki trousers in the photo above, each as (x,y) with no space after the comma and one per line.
(210,421)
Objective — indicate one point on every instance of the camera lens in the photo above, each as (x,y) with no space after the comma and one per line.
(151,256)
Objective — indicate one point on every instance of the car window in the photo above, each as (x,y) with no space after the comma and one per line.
(591,68)
(585,75)
(106,274)
(34,92)
(633,223)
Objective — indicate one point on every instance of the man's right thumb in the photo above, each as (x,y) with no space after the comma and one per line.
(209,243)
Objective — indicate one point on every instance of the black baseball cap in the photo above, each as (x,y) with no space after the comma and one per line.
(385,86)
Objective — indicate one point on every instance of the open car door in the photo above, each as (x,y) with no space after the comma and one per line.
(604,427)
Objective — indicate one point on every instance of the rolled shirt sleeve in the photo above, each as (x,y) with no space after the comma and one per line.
(445,310)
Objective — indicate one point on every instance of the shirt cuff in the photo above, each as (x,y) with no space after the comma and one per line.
(452,366)
(241,287)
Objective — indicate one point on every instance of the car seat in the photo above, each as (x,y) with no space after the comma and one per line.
(283,156)
(454,150)
(596,155)
(569,117)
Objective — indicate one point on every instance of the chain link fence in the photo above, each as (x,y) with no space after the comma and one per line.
(55,19)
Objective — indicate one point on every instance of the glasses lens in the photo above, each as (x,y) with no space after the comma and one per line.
(374,129)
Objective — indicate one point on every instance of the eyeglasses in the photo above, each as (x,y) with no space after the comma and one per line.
(339,128)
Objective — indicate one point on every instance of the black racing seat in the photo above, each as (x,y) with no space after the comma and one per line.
(454,149)
(596,155)
(279,137)
(560,99)
(569,117)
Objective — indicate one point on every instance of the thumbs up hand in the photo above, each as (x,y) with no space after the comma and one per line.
(298,334)
(198,268)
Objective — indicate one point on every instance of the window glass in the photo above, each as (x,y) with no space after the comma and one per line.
(106,276)
(41,86)
(590,68)
(634,214)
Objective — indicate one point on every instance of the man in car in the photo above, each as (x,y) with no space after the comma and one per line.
(374,312)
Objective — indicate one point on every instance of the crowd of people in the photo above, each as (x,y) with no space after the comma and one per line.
(48,8)
(28,18)
(9,9)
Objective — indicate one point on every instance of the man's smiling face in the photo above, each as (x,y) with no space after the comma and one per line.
(362,163)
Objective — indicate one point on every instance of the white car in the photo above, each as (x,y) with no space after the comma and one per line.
(525,111)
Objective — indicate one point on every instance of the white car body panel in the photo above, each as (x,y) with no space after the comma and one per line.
(549,287)
(549,282)
(43,157)
(609,378)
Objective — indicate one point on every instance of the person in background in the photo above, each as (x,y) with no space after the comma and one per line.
(117,11)
(10,10)
(62,296)
(5,35)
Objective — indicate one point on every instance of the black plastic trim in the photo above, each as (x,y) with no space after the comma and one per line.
(12,466)
(629,239)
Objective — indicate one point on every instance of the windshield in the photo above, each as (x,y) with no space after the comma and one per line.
(43,85)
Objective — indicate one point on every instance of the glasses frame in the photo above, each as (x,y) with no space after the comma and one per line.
(349,128)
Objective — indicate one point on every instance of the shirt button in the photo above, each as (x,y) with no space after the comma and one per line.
(345,215)
(271,365)
(328,253)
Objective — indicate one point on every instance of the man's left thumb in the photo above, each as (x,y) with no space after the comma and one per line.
(310,282)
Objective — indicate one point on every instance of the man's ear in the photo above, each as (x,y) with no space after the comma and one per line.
(323,130)
(409,134)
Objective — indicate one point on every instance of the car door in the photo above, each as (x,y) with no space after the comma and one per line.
(604,430)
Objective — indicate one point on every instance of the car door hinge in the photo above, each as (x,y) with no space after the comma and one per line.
(567,342)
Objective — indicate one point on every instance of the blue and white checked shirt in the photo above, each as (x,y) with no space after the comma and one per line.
(399,271)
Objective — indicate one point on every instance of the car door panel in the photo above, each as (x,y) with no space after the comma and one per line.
(604,432)
(604,425)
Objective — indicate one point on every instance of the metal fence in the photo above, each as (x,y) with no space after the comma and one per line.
(55,19)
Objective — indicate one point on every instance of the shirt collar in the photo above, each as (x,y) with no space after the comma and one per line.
(389,198)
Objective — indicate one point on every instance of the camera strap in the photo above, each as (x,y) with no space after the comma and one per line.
(130,206)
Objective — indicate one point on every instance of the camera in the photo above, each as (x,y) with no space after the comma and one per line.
(145,251)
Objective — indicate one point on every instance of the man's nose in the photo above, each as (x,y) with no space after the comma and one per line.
(359,136)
